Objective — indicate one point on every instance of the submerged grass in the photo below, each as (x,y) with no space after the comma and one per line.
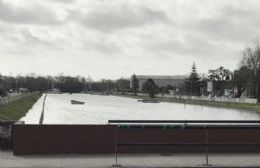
(229,105)
(17,109)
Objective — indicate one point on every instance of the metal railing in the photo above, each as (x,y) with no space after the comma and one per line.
(118,122)
(205,124)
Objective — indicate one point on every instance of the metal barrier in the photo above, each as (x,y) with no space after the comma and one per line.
(13,97)
(187,124)
(140,122)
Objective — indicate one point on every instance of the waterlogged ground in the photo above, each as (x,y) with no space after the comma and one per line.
(99,109)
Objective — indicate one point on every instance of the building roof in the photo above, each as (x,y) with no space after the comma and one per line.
(161,76)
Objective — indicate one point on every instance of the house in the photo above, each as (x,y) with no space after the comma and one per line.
(160,80)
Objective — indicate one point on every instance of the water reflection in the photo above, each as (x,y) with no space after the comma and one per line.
(99,109)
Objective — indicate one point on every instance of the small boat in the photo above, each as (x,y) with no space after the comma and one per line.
(148,100)
(76,102)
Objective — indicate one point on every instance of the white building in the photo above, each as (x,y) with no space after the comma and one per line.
(160,80)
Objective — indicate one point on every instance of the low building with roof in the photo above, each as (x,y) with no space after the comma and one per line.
(160,80)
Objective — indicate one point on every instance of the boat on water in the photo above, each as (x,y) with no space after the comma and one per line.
(149,100)
(76,102)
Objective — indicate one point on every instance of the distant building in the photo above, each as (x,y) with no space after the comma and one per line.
(55,91)
(23,90)
(160,80)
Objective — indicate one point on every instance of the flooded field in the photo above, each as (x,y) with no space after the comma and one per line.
(99,109)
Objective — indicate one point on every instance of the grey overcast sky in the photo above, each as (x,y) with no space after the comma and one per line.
(115,38)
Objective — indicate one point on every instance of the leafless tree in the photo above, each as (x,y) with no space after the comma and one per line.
(251,59)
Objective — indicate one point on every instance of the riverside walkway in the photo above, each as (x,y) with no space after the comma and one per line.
(7,160)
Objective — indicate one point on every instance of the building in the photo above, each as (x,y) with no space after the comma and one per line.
(161,80)
(23,90)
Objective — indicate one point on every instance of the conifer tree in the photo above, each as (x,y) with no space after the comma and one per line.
(192,83)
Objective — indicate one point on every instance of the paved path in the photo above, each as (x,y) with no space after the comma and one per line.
(7,160)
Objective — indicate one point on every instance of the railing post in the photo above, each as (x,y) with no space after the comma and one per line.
(206,147)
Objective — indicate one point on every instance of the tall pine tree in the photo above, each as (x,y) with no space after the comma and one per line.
(192,83)
(135,84)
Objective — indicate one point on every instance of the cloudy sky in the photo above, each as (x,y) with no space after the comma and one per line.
(115,38)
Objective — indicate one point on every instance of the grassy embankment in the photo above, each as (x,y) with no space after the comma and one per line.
(17,109)
(229,105)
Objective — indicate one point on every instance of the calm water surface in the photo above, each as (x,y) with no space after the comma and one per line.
(99,109)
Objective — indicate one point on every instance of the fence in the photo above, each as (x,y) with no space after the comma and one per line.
(205,98)
(12,97)
(173,136)
(188,136)
(217,99)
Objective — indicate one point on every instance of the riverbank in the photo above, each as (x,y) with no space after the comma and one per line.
(18,108)
(229,105)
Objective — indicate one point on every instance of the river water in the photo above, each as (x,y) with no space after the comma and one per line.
(99,109)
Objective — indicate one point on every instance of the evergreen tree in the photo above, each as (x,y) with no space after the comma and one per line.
(135,84)
(150,87)
(192,83)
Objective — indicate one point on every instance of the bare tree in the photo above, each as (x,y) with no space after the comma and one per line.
(251,59)
(123,85)
(241,79)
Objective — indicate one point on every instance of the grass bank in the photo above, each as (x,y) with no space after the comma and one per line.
(17,109)
(229,105)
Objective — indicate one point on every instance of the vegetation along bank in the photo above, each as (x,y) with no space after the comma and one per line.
(17,109)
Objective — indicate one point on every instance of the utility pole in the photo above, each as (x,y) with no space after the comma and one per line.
(206,148)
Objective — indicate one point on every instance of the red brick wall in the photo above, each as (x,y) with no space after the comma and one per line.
(101,139)
(45,139)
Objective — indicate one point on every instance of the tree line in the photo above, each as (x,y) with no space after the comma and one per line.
(245,78)
(63,83)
